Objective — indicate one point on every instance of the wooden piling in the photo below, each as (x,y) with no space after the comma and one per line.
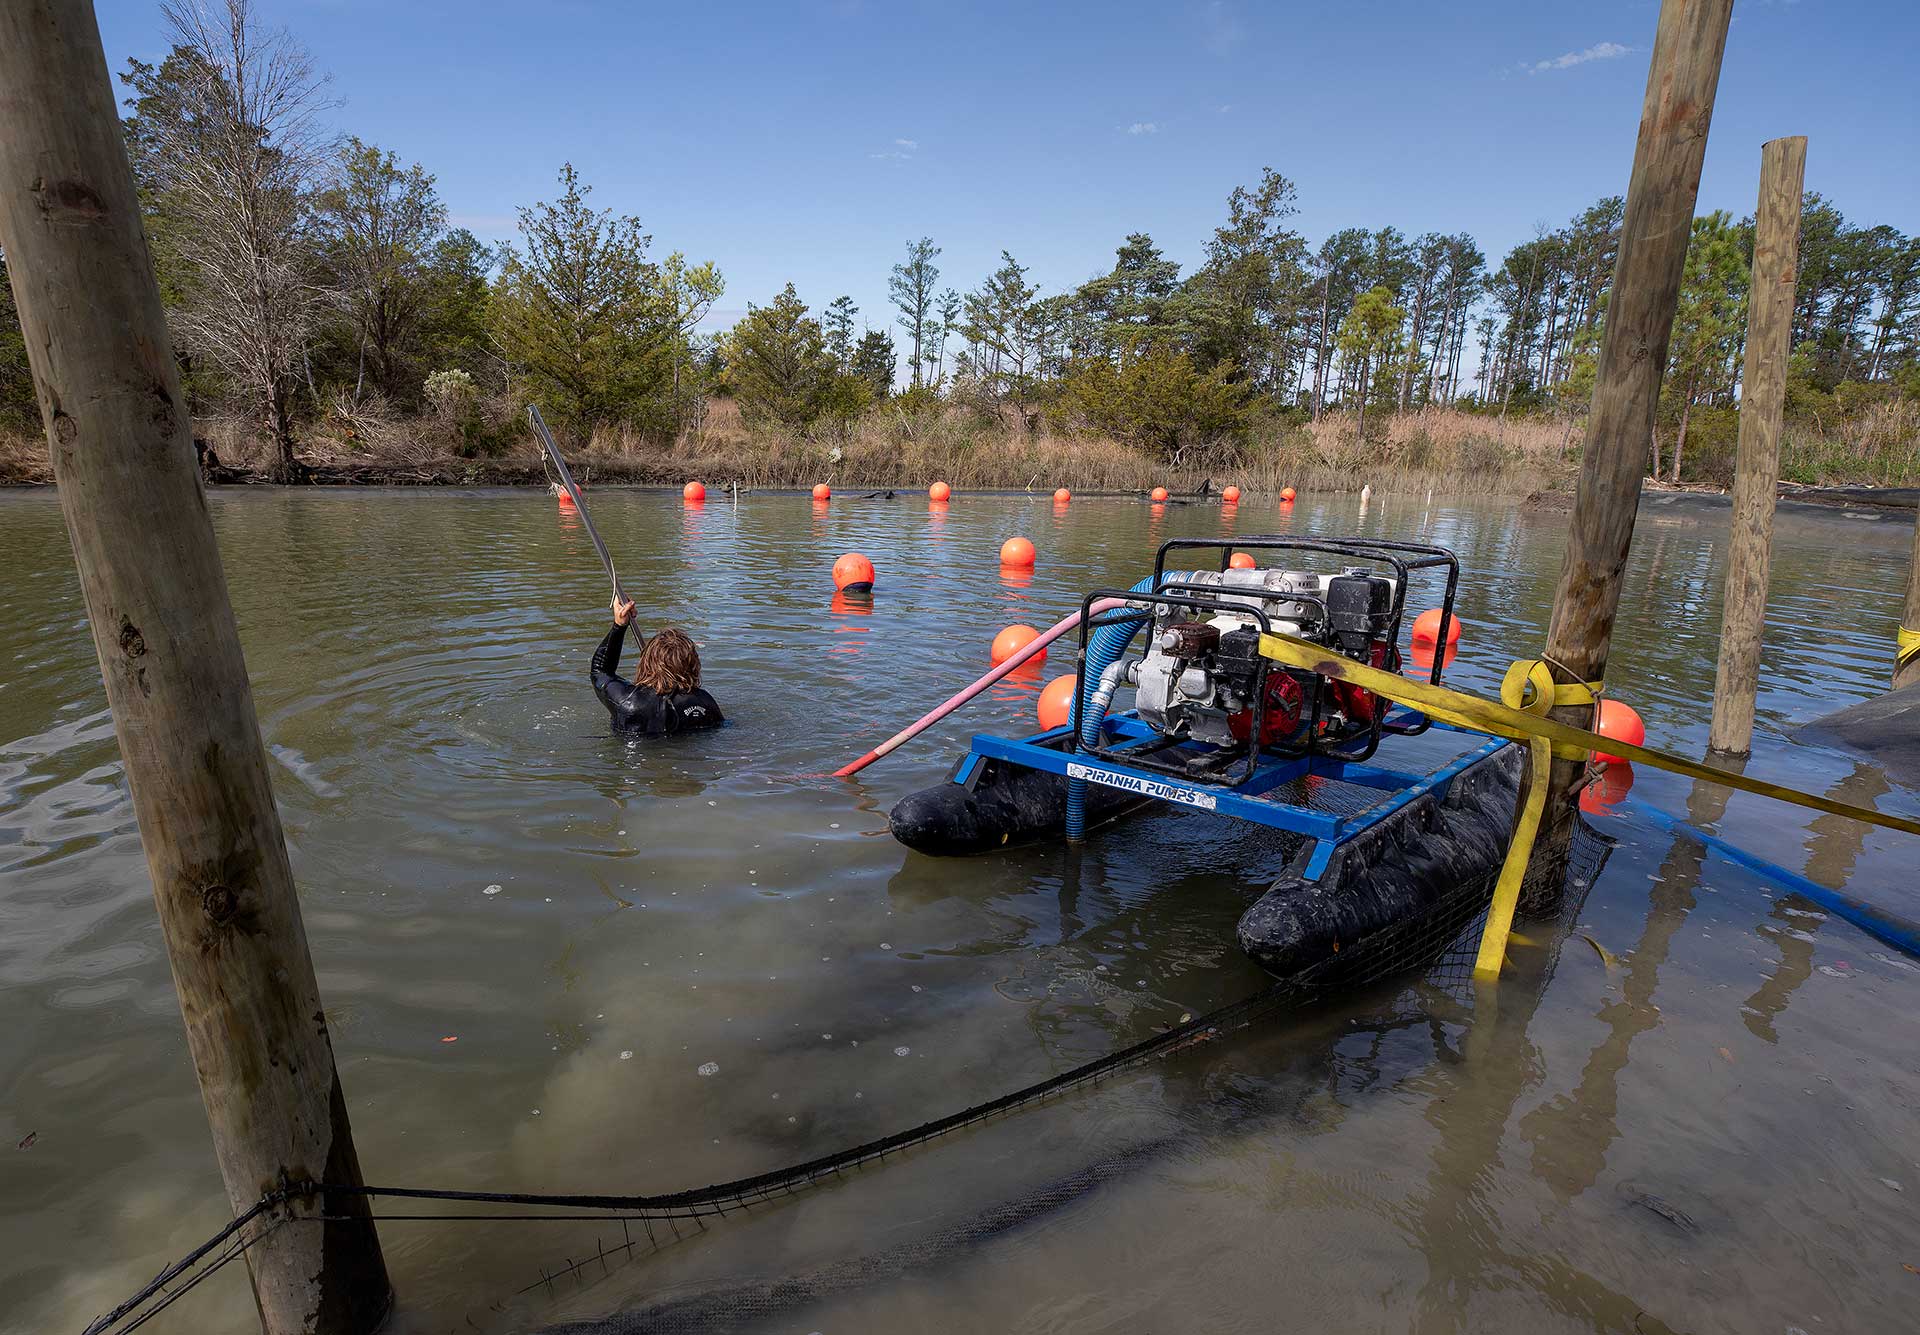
(1681,81)
(1763,399)
(122,447)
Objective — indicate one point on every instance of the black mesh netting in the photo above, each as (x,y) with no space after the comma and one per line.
(1434,953)
(1433,950)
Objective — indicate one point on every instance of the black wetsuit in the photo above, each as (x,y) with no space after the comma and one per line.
(641,708)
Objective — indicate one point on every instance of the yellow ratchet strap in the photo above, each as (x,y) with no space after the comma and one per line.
(1498,720)
(1533,683)
(1506,891)
(1906,647)
(1530,688)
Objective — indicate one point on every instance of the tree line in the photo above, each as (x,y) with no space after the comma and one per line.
(307,274)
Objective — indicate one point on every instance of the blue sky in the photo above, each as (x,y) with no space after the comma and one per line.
(806,141)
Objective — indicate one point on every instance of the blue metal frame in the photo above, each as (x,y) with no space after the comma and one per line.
(1244,801)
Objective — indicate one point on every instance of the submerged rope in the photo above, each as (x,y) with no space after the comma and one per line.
(159,1282)
(717,1198)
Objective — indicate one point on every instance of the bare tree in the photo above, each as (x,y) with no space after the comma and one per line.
(230,137)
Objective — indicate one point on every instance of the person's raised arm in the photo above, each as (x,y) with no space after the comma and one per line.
(606,658)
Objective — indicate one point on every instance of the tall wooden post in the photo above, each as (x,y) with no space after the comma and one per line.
(1763,400)
(1906,654)
(1681,81)
(122,448)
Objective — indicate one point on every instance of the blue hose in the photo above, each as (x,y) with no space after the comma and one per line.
(1104,648)
(1903,934)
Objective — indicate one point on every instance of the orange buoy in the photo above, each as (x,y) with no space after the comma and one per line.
(1241,561)
(939,491)
(566,500)
(1017,552)
(1157,494)
(1011,641)
(1056,701)
(822,492)
(1426,630)
(1422,656)
(1287,494)
(1061,495)
(1230,495)
(853,573)
(1619,721)
(694,491)
(1607,790)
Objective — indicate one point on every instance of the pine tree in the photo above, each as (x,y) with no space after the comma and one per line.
(1003,327)
(1370,338)
(873,361)
(578,314)
(1709,321)
(837,321)
(911,287)
(781,370)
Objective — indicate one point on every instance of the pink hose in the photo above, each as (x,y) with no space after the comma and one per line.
(909,733)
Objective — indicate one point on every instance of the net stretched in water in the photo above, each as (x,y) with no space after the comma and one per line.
(1437,946)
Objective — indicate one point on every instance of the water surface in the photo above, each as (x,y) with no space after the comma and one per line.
(531,936)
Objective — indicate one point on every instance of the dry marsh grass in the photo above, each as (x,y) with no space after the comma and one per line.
(1879,444)
(1439,450)
(1444,450)
(23,459)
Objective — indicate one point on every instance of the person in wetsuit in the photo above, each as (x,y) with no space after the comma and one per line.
(664,695)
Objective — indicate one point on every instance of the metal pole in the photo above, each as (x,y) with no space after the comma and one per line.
(156,595)
(1763,400)
(1681,81)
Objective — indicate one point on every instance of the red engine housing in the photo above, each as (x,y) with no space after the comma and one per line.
(1356,702)
(1285,703)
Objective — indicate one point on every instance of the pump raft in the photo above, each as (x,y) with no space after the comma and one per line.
(1374,837)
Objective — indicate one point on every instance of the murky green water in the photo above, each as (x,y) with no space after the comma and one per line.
(531,935)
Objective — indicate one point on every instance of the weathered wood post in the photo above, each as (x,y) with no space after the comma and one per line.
(1906,653)
(1763,400)
(122,448)
(1681,81)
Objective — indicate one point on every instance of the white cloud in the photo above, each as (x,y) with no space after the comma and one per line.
(1598,51)
(1144,127)
(908,144)
(894,155)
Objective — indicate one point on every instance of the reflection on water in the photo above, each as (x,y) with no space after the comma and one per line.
(1698,1112)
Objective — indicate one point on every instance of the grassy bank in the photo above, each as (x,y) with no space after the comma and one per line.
(1439,449)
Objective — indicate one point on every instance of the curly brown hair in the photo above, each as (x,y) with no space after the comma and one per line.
(668,663)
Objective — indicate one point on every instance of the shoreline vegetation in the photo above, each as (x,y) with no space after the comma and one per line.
(332,324)
(1446,450)
(1434,449)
